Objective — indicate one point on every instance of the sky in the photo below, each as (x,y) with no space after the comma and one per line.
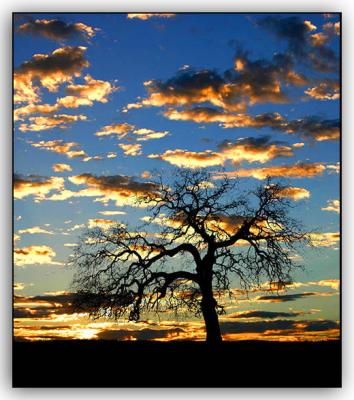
(104,101)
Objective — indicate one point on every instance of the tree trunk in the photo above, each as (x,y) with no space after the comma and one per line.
(208,306)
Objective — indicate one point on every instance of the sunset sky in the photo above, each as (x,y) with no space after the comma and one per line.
(103,101)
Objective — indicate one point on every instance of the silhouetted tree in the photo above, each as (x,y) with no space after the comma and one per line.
(215,236)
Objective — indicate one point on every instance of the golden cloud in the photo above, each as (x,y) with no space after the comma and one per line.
(35,230)
(70,149)
(131,149)
(55,121)
(112,212)
(324,91)
(326,239)
(119,129)
(299,170)
(50,70)
(61,167)
(295,193)
(146,16)
(93,90)
(124,190)
(56,29)
(312,127)
(147,134)
(100,222)
(332,205)
(190,159)
(35,255)
(36,186)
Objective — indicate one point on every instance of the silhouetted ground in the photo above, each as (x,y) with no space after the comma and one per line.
(176,364)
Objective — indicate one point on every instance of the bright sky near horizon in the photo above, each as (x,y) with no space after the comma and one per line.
(104,100)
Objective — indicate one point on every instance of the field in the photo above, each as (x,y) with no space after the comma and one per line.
(176,364)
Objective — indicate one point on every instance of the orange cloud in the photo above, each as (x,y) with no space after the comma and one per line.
(295,193)
(93,90)
(55,121)
(123,190)
(36,186)
(324,91)
(70,149)
(147,134)
(35,230)
(190,159)
(326,239)
(146,16)
(61,167)
(332,205)
(49,70)
(56,29)
(131,149)
(100,222)
(119,129)
(300,170)
(35,255)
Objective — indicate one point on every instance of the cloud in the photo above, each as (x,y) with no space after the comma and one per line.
(287,297)
(80,95)
(131,149)
(250,149)
(34,230)
(325,239)
(189,87)
(61,167)
(265,314)
(119,129)
(299,170)
(124,190)
(36,186)
(327,90)
(70,149)
(55,121)
(148,134)
(49,70)
(145,175)
(111,154)
(313,127)
(100,222)
(332,28)
(35,255)
(332,205)
(303,44)
(93,90)
(295,193)
(112,212)
(58,30)
(146,16)
(190,159)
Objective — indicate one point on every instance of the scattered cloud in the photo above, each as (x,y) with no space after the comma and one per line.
(48,70)
(61,167)
(36,186)
(131,149)
(35,255)
(146,16)
(58,30)
(298,170)
(35,230)
(55,121)
(325,239)
(118,129)
(70,149)
(295,193)
(332,205)
(328,90)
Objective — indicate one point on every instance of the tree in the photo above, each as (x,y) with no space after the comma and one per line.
(213,234)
